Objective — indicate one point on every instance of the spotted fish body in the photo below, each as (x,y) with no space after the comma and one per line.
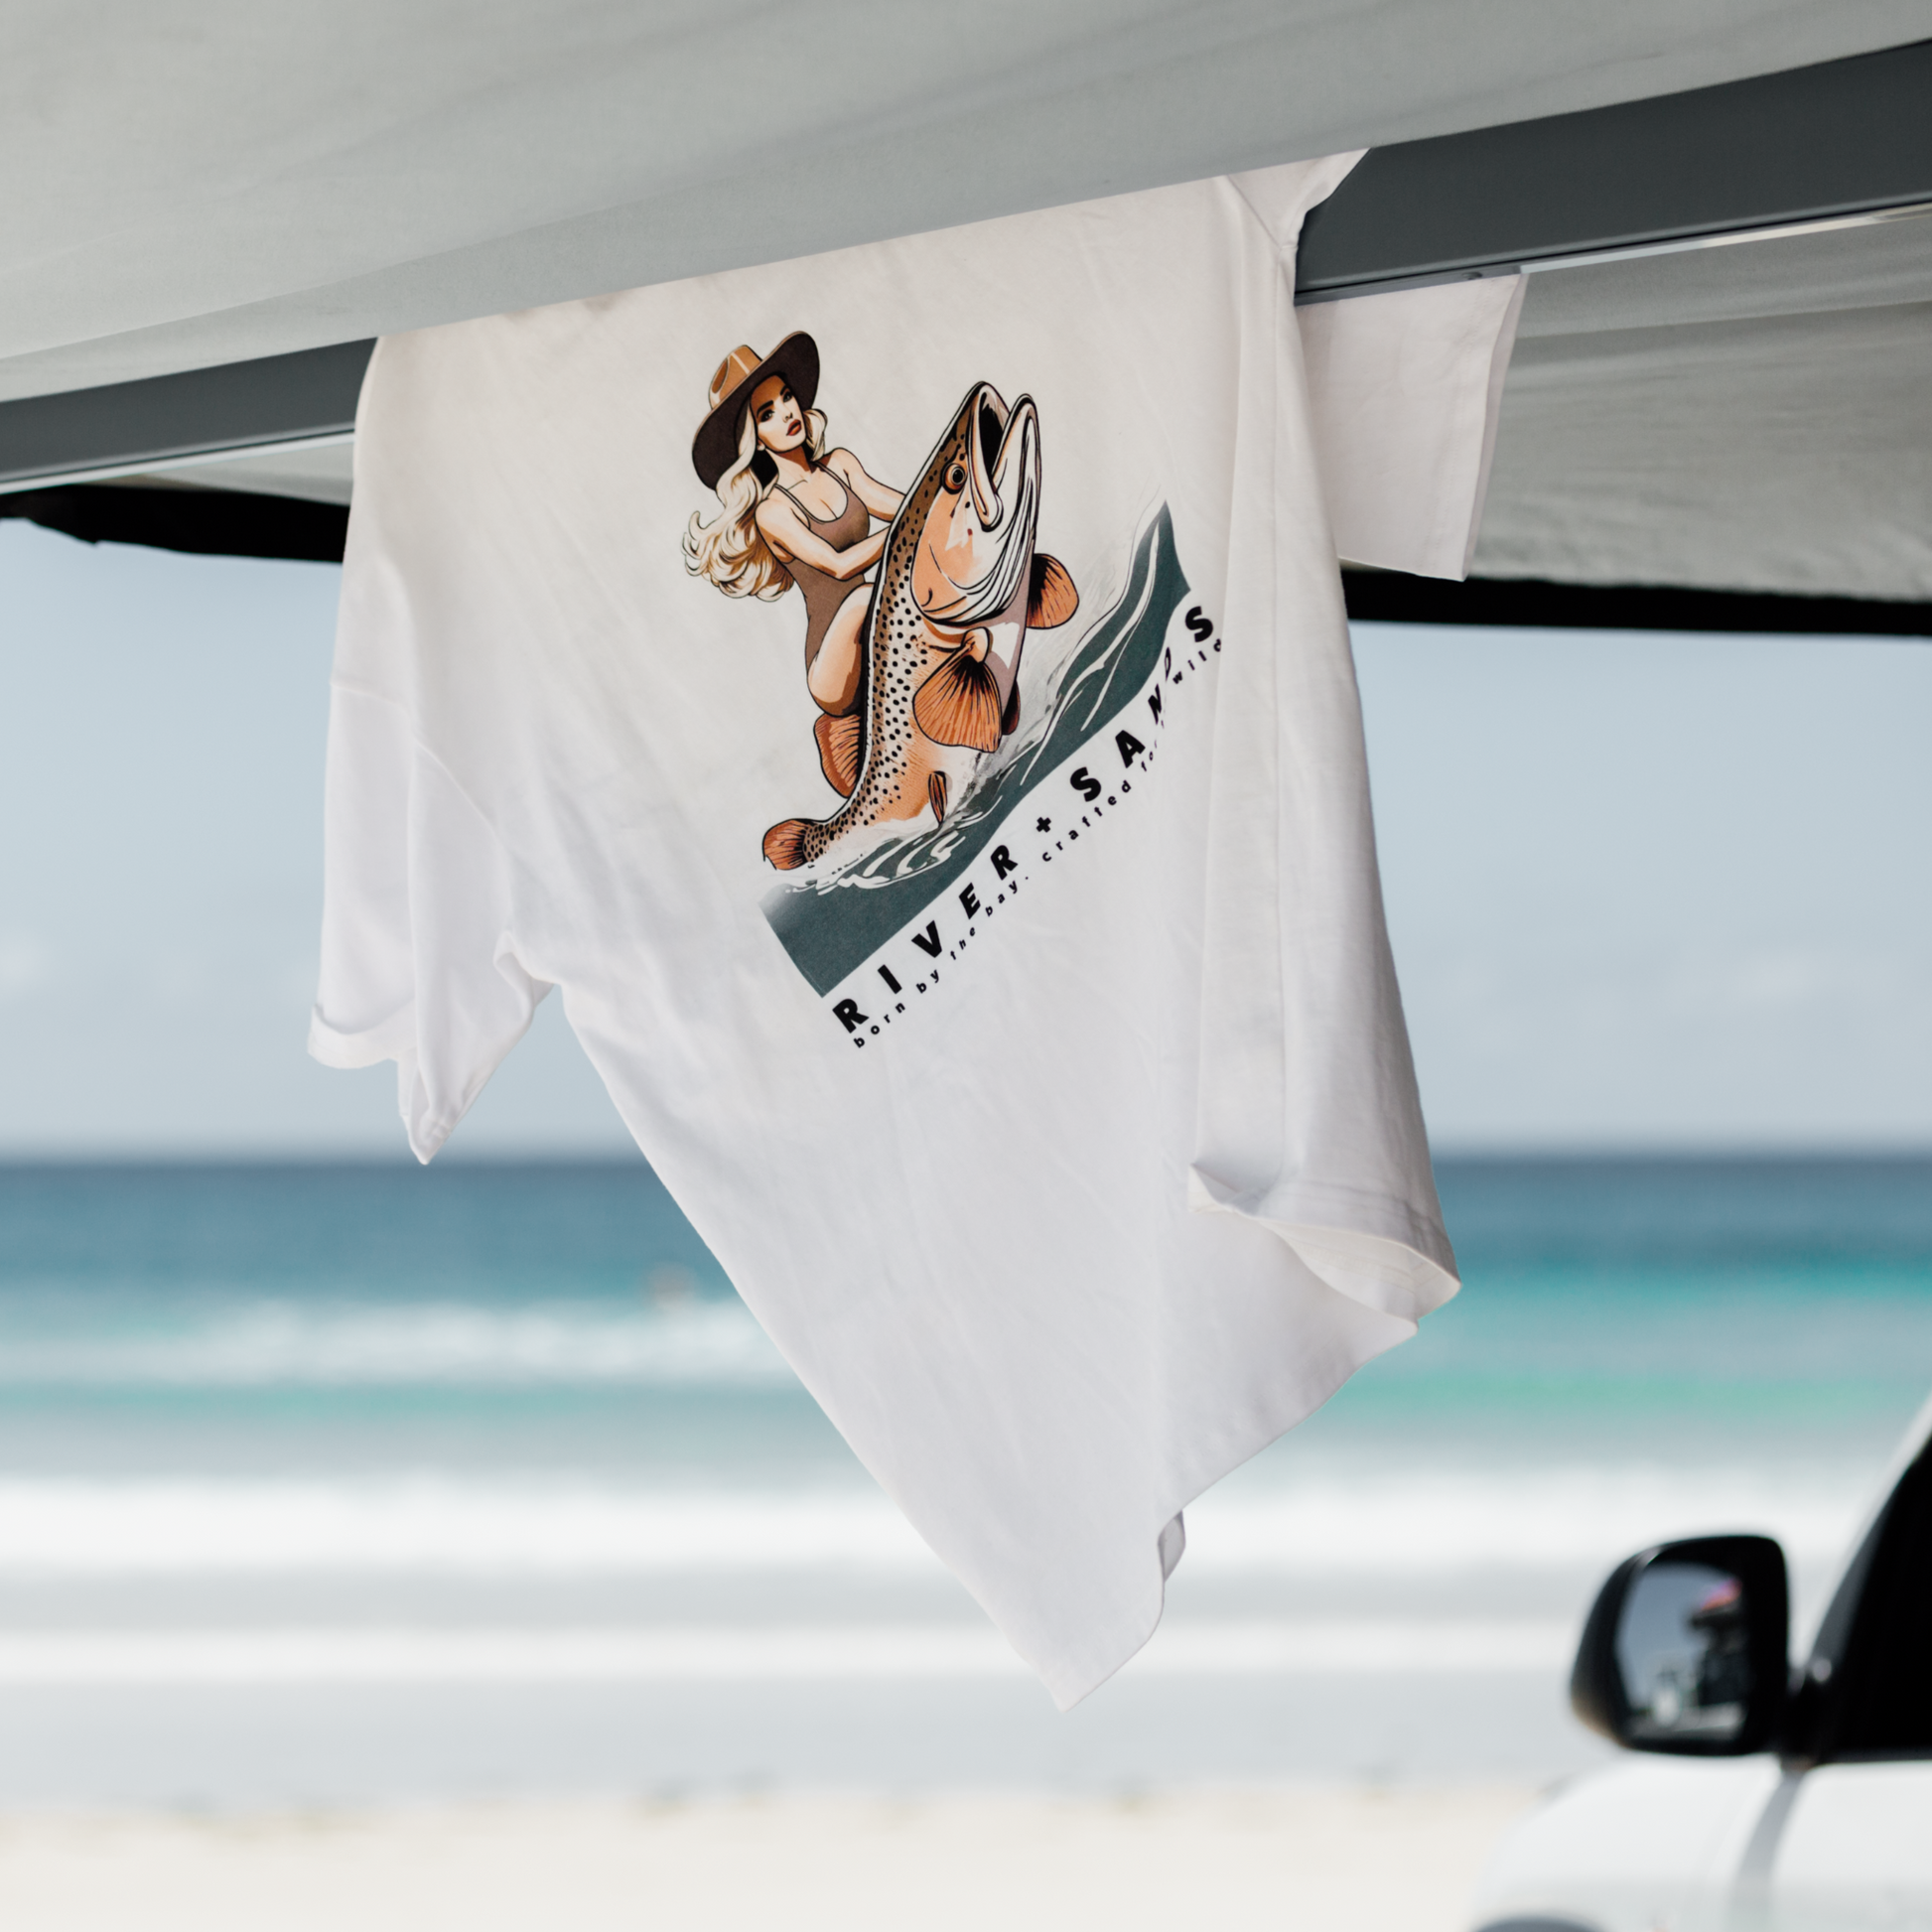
(958,585)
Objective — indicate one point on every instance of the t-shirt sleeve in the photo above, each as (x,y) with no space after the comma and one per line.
(365,999)
(418,961)
(1403,396)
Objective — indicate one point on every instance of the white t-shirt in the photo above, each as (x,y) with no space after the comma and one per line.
(1048,1098)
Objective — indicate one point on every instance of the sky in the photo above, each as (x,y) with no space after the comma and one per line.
(1645,891)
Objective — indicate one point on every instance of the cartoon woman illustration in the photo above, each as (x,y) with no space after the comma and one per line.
(793,513)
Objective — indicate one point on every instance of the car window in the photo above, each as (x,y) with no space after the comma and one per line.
(1886,1692)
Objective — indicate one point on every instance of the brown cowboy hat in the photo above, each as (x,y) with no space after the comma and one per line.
(714,446)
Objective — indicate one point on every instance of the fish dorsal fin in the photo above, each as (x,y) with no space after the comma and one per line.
(1053,599)
(838,750)
(959,704)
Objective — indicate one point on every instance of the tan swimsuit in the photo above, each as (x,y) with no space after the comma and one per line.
(822,593)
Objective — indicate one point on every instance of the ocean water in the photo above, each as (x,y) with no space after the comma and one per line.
(325,1484)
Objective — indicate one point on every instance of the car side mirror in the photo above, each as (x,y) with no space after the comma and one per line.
(1685,1649)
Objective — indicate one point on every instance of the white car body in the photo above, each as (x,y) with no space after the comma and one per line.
(1729,1843)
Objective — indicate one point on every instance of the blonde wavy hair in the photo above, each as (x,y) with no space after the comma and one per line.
(731,550)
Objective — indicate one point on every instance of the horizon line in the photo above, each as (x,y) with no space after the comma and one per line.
(594,1154)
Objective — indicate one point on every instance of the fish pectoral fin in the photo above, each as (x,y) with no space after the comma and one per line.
(1053,599)
(959,704)
(1009,717)
(935,795)
(838,750)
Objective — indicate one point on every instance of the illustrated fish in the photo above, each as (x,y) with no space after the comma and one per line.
(958,587)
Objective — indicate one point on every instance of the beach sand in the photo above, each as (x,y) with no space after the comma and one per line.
(1401,1858)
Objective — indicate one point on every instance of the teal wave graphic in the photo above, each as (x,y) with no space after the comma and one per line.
(831,926)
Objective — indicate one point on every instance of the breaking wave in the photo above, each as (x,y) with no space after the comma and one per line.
(1571,1521)
(708,1344)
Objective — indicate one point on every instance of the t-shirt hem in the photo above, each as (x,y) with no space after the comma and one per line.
(1070,1683)
(1501,351)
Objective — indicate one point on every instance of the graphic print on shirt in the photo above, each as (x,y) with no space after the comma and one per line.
(832,923)
(915,672)
(958,587)
(793,512)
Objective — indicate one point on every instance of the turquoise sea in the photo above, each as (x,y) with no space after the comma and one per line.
(323,1482)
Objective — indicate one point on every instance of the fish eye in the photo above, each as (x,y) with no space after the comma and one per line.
(957,478)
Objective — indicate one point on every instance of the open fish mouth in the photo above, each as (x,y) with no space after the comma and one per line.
(986,433)
(1003,469)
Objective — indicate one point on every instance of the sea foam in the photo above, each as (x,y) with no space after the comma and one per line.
(1442,1522)
(703,1343)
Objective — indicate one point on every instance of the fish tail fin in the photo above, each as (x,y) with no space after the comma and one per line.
(838,750)
(784,845)
(1052,598)
(959,704)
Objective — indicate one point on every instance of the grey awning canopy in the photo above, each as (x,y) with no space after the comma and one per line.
(1736,398)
